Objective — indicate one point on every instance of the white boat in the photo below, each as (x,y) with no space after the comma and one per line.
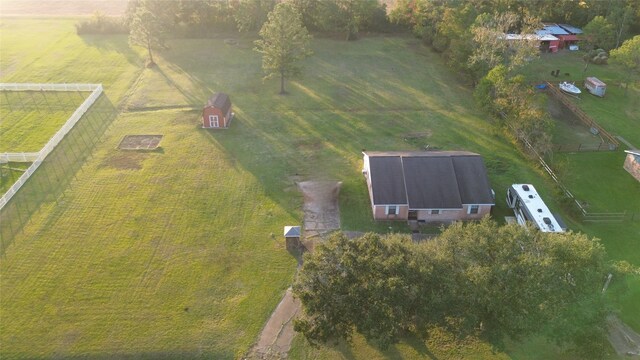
(569,88)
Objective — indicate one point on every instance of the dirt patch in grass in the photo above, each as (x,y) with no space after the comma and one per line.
(125,160)
(140,142)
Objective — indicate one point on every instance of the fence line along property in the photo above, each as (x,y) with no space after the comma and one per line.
(586,119)
(586,215)
(96,91)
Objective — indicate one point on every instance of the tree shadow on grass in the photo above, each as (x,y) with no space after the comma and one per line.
(115,43)
(57,171)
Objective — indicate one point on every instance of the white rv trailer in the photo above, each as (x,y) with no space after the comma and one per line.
(529,207)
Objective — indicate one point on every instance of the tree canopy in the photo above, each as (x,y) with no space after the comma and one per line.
(500,281)
(285,41)
(599,33)
(629,56)
(149,24)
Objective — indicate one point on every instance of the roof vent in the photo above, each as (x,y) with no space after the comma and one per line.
(530,196)
(539,210)
(546,220)
(525,187)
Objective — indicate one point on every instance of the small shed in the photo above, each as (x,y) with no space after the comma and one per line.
(632,163)
(217,112)
(595,86)
(292,237)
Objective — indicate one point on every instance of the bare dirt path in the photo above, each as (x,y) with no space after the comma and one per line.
(623,339)
(321,217)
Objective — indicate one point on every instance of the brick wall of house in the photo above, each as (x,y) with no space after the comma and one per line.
(447,216)
(632,165)
(379,213)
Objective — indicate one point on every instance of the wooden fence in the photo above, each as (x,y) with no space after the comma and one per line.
(96,91)
(580,114)
(583,147)
(586,215)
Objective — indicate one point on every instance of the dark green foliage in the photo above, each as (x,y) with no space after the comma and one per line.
(378,287)
(250,15)
(345,16)
(150,25)
(203,18)
(284,42)
(517,107)
(498,281)
(599,33)
(99,23)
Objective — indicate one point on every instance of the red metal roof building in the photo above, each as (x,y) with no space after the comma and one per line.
(217,112)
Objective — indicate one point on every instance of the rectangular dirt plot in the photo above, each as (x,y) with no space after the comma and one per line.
(140,142)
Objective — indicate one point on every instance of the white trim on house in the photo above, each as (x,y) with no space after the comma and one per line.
(396,209)
(473,206)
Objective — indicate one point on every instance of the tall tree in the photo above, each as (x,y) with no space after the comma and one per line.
(491,46)
(149,25)
(347,16)
(478,277)
(628,55)
(600,33)
(285,41)
(251,14)
(371,285)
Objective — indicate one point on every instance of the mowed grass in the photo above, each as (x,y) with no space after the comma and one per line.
(177,252)
(598,179)
(49,51)
(28,119)
(167,253)
(618,112)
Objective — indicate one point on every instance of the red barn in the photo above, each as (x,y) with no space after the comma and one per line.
(217,113)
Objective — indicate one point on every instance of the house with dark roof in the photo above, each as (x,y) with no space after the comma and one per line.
(429,186)
(217,112)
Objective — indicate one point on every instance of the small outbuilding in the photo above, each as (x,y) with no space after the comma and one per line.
(217,112)
(595,86)
(292,237)
(632,163)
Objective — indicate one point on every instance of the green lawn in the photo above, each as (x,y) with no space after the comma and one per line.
(28,119)
(617,112)
(178,252)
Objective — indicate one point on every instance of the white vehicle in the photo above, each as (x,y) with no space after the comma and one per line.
(529,207)
(569,88)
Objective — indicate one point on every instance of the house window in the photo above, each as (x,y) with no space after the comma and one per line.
(435,212)
(392,210)
(473,209)
(213,121)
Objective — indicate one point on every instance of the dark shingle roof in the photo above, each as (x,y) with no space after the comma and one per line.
(472,180)
(220,101)
(429,180)
(388,188)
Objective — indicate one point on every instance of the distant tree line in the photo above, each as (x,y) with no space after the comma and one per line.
(481,279)
(470,35)
(205,18)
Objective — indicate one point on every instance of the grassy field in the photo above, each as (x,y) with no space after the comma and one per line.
(178,252)
(28,119)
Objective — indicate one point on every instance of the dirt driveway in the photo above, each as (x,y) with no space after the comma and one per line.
(321,217)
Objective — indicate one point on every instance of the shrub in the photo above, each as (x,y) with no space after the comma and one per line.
(99,23)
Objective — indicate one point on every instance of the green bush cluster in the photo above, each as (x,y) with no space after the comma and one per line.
(102,24)
(597,56)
